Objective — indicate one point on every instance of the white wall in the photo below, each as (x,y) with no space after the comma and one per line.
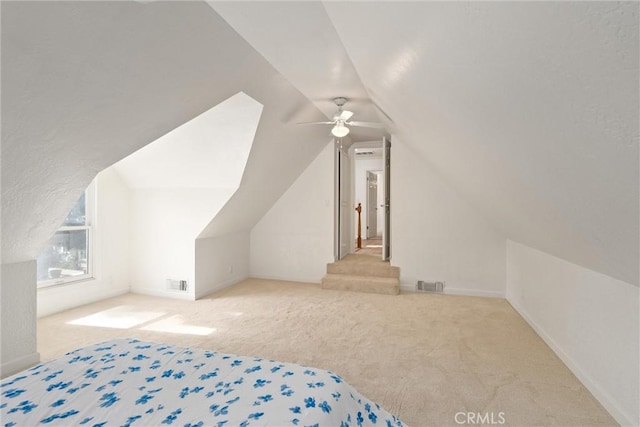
(529,110)
(111,255)
(436,236)
(360,177)
(294,239)
(208,151)
(165,225)
(136,88)
(221,261)
(590,320)
(18,303)
(180,182)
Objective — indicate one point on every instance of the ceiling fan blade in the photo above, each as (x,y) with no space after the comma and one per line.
(316,123)
(366,124)
(345,115)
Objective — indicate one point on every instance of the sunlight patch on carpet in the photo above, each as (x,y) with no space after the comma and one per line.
(121,317)
(177,325)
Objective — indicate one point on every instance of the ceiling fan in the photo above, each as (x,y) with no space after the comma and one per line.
(340,120)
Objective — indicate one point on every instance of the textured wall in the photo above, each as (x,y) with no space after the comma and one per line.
(165,225)
(294,239)
(111,256)
(181,182)
(18,316)
(530,110)
(438,236)
(221,261)
(86,83)
(590,320)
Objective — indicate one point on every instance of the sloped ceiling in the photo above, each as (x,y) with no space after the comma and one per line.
(209,151)
(85,84)
(299,40)
(528,109)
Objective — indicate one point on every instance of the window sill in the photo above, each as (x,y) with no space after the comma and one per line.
(56,283)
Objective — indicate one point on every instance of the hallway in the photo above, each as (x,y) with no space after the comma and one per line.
(370,247)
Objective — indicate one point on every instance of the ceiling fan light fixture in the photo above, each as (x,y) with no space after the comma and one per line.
(340,130)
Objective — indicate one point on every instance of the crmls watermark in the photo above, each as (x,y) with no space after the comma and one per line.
(472,418)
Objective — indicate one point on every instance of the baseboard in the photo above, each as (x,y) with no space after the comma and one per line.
(187,296)
(405,287)
(602,396)
(473,292)
(458,291)
(20,364)
(164,293)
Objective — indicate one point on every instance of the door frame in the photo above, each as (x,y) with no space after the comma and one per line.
(368,229)
(386,228)
(343,243)
(339,223)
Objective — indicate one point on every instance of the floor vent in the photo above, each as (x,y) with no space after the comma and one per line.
(430,286)
(177,285)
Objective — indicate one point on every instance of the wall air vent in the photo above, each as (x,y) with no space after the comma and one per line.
(423,286)
(177,285)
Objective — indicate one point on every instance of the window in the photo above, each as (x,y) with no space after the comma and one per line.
(67,255)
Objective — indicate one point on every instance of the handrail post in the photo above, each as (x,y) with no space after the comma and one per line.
(359,210)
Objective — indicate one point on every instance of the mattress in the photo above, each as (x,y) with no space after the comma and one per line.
(128,382)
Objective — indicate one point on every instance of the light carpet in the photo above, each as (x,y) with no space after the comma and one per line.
(423,357)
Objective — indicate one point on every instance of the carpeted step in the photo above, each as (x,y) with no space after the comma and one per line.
(363,266)
(360,269)
(376,285)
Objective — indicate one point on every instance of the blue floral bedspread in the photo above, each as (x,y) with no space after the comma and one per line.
(128,382)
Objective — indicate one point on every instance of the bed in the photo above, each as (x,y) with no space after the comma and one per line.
(128,382)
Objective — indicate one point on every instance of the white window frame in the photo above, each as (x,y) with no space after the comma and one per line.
(90,215)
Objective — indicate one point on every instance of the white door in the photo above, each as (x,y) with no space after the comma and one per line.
(343,212)
(372,205)
(380,222)
(386,231)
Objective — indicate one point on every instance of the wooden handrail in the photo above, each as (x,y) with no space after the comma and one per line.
(359,210)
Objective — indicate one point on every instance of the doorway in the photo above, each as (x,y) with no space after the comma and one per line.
(362,199)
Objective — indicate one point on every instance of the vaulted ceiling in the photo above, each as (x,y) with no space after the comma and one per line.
(85,84)
(209,151)
(528,109)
